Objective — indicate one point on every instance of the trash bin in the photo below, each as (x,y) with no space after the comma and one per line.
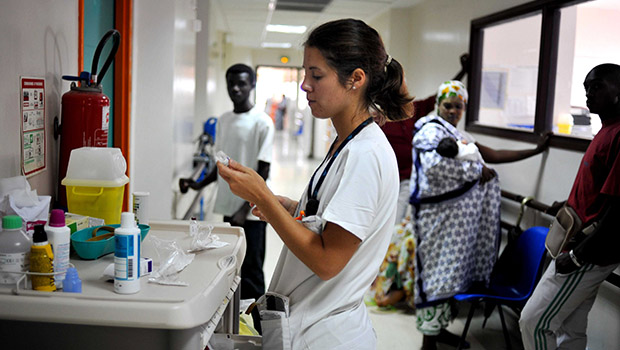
(96,182)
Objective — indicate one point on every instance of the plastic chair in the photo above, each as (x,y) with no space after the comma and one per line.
(513,279)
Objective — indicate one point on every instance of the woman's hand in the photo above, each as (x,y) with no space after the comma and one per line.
(487,174)
(244,182)
(288,204)
(543,143)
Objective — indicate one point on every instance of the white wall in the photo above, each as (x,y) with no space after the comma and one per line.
(163,99)
(39,39)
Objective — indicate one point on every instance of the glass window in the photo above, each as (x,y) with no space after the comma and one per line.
(509,73)
(588,37)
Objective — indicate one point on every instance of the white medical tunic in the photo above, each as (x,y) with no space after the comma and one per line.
(360,194)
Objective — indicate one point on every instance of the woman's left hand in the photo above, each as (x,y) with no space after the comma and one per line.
(487,174)
(243,181)
(543,143)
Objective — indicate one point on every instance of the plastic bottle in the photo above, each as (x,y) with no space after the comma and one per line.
(59,236)
(73,283)
(127,256)
(41,260)
(14,250)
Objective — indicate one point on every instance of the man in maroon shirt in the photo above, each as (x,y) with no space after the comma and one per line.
(556,314)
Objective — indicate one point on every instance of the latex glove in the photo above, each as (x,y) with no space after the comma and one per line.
(564,264)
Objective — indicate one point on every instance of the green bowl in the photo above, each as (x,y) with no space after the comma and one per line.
(90,250)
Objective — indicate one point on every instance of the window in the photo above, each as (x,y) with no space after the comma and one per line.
(509,70)
(528,67)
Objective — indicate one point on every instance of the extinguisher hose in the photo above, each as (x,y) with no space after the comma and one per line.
(117,39)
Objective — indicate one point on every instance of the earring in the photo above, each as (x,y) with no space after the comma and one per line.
(354,87)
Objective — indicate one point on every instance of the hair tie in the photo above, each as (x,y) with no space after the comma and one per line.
(387,63)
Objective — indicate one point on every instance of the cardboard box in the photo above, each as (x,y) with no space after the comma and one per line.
(77,222)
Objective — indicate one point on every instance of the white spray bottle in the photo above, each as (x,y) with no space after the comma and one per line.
(127,256)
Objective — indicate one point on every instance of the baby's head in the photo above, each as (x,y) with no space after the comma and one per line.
(447,147)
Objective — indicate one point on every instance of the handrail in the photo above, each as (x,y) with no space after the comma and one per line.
(533,203)
(613,278)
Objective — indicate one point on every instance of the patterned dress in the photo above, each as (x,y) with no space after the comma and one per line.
(457,224)
(398,268)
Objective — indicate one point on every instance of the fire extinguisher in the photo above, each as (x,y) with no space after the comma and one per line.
(85,112)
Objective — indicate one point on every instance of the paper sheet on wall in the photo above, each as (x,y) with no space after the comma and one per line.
(32,92)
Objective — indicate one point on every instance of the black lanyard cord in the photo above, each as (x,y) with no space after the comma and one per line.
(313,204)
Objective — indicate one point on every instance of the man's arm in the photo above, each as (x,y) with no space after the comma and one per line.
(238,218)
(600,247)
(465,66)
(185,184)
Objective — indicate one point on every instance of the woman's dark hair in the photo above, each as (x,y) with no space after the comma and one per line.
(348,44)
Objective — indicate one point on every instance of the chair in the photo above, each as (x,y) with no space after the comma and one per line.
(513,279)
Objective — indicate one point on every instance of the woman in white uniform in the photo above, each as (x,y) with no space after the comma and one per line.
(333,252)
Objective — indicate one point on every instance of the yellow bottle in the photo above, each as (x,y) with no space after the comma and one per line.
(41,260)
(565,123)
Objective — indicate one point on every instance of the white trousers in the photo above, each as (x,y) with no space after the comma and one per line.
(556,315)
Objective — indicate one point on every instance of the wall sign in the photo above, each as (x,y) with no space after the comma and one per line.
(33,125)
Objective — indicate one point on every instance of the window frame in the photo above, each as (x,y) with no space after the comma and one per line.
(547,68)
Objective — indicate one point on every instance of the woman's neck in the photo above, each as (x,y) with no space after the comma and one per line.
(345,125)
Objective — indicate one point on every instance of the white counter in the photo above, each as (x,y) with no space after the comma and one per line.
(159,317)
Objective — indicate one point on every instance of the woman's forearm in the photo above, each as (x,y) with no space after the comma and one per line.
(325,254)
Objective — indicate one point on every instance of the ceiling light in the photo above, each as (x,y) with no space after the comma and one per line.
(281,28)
(277,45)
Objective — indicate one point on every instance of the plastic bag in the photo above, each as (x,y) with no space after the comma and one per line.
(203,238)
(172,261)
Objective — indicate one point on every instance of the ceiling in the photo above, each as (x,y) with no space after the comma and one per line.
(244,21)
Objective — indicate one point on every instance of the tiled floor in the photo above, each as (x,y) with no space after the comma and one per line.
(290,171)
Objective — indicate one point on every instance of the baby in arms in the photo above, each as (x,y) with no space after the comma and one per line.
(451,148)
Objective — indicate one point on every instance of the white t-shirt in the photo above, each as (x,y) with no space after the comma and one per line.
(246,138)
(359,193)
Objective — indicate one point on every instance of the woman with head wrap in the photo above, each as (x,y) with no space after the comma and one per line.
(456,203)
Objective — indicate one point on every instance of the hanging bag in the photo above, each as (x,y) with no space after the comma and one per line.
(564,227)
(274,313)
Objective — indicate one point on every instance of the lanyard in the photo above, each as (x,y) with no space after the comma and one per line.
(312,205)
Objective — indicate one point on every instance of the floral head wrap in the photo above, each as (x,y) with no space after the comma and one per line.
(452,88)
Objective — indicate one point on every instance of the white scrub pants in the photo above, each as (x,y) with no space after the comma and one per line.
(556,315)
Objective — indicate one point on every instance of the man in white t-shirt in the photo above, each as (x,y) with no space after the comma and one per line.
(245,134)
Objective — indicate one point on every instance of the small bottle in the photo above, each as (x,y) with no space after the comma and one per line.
(59,236)
(127,256)
(14,250)
(41,260)
(73,283)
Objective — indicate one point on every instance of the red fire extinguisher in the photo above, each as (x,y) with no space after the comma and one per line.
(85,112)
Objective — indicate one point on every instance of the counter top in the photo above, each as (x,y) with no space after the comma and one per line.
(210,276)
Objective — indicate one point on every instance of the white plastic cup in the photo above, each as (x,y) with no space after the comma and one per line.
(141,207)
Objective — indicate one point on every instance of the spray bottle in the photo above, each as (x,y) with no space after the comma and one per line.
(41,260)
(127,256)
(59,236)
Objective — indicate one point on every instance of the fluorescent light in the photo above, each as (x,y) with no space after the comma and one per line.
(276,45)
(281,28)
